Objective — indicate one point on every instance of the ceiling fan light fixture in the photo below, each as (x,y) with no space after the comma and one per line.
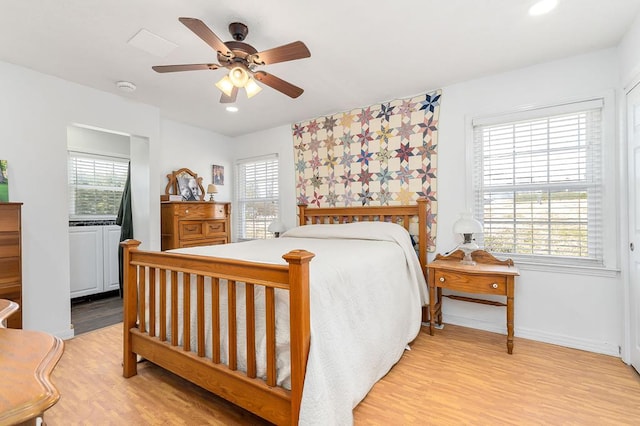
(225,85)
(238,76)
(252,88)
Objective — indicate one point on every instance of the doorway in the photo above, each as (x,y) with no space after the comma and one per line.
(633,138)
(94,240)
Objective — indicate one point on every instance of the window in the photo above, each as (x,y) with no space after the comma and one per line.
(257,197)
(96,184)
(538,183)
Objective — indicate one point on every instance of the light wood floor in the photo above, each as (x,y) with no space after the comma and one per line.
(458,376)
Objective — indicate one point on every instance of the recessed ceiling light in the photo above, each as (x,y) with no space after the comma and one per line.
(232,109)
(125,86)
(542,7)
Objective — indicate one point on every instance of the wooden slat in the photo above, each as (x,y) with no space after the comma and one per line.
(200,314)
(152,301)
(174,308)
(215,319)
(163,305)
(232,328)
(186,312)
(142,280)
(270,311)
(250,322)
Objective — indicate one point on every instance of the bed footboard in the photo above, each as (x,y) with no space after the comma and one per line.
(151,284)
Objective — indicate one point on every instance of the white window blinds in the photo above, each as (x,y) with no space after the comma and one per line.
(538,183)
(96,184)
(257,197)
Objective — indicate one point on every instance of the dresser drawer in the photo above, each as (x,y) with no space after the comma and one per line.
(191,229)
(469,283)
(219,211)
(212,227)
(9,269)
(10,218)
(9,244)
(193,211)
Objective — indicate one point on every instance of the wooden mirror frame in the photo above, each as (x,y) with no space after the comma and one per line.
(177,180)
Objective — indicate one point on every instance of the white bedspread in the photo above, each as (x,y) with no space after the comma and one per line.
(367,291)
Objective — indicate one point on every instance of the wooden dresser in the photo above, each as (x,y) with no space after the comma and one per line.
(11,258)
(194,223)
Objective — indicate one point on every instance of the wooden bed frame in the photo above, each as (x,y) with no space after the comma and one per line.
(262,397)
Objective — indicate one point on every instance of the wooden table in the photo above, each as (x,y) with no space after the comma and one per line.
(27,359)
(488,276)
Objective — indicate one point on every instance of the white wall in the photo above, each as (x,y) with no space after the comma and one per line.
(196,149)
(35,111)
(576,310)
(97,142)
(629,54)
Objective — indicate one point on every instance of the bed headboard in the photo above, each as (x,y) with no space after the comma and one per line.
(402,215)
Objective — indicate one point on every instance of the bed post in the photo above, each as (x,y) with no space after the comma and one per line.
(130,294)
(422,248)
(299,323)
(301,215)
(422,233)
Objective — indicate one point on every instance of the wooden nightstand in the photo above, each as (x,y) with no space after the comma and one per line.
(488,276)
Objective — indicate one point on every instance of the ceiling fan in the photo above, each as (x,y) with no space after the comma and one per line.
(241,59)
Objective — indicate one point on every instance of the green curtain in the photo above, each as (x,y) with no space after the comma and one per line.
(125,221)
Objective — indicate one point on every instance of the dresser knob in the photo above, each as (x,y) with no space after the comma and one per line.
(494,285)
(441,279)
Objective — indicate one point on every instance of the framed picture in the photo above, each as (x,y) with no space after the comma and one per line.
(4,181)
(218,175)
(186,184)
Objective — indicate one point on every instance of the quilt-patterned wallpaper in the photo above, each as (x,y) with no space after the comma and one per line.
(383,154)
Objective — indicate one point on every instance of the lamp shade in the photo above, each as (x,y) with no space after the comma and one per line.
(225,85)
(252,88)
(276,226)
(211,189)
(467,225)
(238,76)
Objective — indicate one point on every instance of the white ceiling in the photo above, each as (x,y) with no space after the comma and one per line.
(362,51)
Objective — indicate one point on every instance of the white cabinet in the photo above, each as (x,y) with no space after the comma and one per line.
(93,259)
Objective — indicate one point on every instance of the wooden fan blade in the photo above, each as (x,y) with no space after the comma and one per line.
(185,67)
(224,99)
(278,84)
(201,30)
(287,52)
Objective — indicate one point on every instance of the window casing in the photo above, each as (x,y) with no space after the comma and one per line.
(538,184)
(257,203)
(96,184)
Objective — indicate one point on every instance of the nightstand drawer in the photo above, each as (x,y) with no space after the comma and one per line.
(469,283)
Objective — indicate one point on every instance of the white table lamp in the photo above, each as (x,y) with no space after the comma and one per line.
(276,227)
(211,189)
(467,226)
